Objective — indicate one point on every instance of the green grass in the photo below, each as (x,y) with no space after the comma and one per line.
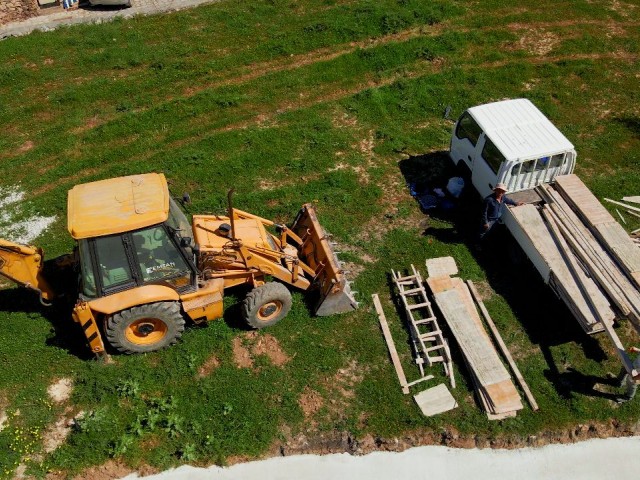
(335,102)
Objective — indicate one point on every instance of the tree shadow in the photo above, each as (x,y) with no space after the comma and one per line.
(545,319)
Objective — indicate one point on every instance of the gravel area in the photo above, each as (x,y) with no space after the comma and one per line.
(87,14)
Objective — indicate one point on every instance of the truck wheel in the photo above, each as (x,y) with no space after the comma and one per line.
(145,328)
(266,305)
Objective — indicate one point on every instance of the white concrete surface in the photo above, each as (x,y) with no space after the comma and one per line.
(601,459)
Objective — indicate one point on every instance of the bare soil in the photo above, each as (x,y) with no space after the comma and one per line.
(337,442)
(60,391)
(253,344)
(310,402)
(56,433)
(208,366)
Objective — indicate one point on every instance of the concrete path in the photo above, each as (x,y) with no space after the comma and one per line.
(88,14)
(599,459)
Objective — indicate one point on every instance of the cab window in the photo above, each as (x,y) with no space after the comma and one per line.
(468,128)
(492,155)
(178,220)
(113,264)
(86,267)
(159,258)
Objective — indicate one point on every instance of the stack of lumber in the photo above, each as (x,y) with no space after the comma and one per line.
(592,236)
(612,235)
(492,381)
(561,276)
(594,254)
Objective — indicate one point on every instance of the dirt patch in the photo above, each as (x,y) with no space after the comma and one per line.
(106,471)
(253,344)
(57,433)
(3,412)
(269,346)
(538,42)
(60,391)
(26,146)
(339,442)
(241,355)
(63,180)
(310,402)
(208,366)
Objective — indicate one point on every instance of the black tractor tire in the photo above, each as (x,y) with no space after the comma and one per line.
(145,328)
(266,305)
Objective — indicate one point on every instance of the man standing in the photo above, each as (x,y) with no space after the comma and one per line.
(631,386)
(493,207)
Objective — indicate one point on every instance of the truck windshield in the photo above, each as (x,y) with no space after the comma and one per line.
(468,128)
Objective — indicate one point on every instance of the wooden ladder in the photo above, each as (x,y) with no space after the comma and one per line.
(429,345)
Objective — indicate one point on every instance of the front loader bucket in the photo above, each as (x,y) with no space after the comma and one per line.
(316,251)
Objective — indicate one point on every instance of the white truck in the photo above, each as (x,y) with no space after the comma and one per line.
(512,142)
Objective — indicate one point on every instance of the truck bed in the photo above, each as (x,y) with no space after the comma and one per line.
(567,234)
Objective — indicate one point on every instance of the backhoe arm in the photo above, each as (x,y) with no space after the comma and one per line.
(22,264)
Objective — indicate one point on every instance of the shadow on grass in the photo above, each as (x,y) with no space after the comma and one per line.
(544,318)
(66,334)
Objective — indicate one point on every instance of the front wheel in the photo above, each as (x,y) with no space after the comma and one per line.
(145,328)
(266,305)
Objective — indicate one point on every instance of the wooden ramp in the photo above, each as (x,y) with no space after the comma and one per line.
(496,391)
(613,237)
(529,219)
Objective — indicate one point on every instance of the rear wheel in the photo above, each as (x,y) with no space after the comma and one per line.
(145,328)
(266,305)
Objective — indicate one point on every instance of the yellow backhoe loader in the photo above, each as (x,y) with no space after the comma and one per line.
(144,269)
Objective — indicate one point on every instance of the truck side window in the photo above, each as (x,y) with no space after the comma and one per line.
(556,160)
(468,128)
(541,163)
(492,155)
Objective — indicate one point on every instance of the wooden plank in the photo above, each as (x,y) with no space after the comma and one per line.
(481,355)
(614,237)
(390,344)
(620,204)
(602,266)
(532,224)
(503,346)
(606,323)
(622,248)
(435,400)
(441,267)
(631,199)
(591,292)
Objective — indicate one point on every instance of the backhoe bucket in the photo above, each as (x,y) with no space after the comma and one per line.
(317,252)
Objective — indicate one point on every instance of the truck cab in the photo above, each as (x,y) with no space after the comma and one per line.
(510,142)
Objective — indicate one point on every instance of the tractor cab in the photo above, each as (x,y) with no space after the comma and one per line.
(130,233)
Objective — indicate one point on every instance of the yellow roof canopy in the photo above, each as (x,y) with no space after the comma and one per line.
(117,205)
